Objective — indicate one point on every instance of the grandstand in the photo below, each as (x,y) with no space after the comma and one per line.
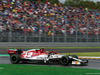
(24,21)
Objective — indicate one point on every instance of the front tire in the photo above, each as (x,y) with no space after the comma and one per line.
(64,60)
(15,59)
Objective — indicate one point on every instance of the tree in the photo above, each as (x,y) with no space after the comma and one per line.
(97,5)
(75,3)
(83,3)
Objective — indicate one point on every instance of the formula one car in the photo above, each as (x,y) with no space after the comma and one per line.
(41,56)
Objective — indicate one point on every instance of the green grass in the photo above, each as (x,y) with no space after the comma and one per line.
(19,69)
(50,47)
(97,54)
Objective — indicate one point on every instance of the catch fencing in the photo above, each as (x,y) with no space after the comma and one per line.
(19,36)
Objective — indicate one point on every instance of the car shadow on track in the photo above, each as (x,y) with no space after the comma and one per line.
(52,64)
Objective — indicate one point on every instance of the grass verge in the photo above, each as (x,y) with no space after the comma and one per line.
(19,69)
(95,54)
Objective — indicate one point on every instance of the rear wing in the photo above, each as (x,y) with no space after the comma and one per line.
(12,51)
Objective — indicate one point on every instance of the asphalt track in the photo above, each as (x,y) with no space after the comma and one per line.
(93,64)
(4,51)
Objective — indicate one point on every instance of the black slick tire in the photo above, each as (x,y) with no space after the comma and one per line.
(15,59)
(64,60)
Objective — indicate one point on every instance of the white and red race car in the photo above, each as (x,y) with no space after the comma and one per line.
(41,56)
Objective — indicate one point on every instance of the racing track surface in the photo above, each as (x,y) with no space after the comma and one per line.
(93,64)
(4,51)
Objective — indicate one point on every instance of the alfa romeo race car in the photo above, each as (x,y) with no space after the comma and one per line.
(41,56)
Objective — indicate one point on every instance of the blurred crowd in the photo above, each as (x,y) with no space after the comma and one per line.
(38,18)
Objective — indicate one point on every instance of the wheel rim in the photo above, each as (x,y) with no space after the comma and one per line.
(64,60)
(14,58)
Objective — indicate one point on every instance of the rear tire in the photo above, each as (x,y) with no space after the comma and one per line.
(64,60)
(15,59)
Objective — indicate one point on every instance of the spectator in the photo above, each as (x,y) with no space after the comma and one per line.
(48,19)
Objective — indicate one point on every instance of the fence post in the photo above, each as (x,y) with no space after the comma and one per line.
(10,36)
(65,31)
(53,33)
(25,40)
(98,31)
(87,31)
(39,30)
(10,32)
(76,29)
